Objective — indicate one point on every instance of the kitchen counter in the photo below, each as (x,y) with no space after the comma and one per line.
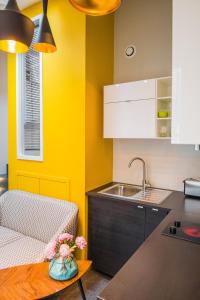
(175,201)
(163,268)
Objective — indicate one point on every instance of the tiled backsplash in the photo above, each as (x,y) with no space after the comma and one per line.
(168,165)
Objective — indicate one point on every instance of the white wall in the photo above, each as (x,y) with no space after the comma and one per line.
(147,24)
(3,114)
(168,165)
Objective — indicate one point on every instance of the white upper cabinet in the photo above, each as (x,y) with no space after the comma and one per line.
(137,90)
(129,110)
(131,119)
(132,110)
(186,72)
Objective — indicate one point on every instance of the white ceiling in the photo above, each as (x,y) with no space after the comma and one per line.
(22,3)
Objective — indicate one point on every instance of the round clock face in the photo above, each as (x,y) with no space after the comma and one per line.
(130,51)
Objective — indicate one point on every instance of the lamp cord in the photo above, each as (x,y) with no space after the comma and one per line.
(45,5)
(12,5)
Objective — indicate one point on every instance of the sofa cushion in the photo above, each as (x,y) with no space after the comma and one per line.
(8,236)
(36,216)
(21,250)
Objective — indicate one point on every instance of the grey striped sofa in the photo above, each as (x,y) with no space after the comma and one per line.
(28,222)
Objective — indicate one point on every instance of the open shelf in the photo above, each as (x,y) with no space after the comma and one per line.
(164,87)
(164,104)
(164,128)
(167,98)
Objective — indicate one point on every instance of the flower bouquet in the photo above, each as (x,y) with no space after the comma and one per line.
(59,252)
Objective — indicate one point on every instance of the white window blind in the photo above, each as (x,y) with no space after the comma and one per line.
(32,99)
(29,98)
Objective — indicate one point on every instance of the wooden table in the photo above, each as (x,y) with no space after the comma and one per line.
(28,282)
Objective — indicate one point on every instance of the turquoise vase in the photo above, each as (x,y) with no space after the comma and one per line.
(63,269)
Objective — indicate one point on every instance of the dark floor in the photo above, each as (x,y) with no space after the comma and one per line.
(3,184)
(93,284)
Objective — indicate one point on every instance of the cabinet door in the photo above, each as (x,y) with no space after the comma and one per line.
(154,217)
(131,119)
(116,230)
(186,72)
(137,90)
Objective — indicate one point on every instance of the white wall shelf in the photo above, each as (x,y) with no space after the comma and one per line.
(168,98)
(163,104)
(164,138)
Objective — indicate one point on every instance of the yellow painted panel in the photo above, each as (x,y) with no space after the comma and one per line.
(99,72)
(44,185)
(55,189)
(63,109)
(28,184)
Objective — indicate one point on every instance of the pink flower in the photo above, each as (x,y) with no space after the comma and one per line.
(80,242)
(64,251)
(50,250)
(65,236)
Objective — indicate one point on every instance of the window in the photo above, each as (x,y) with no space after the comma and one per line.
(29,103)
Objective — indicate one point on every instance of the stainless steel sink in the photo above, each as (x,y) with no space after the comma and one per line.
(133,192)
(123,190)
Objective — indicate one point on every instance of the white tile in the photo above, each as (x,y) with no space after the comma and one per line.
(168,165)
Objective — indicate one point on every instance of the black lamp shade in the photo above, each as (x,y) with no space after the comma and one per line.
(45,42)
(16,30)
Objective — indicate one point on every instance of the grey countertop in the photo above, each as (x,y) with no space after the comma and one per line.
(175,201)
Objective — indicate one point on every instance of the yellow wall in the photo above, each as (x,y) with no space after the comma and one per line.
(99,72)
(67,102)
(63,108)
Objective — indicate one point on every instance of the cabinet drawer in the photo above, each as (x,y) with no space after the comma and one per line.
(154,217)
(133,119)
(138,90)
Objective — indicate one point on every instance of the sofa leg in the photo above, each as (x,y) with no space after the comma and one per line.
(79,282)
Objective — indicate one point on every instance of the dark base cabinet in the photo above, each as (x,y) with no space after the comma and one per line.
(154,217)
(116,230)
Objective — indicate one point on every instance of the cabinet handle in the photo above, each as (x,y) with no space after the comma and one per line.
(139,206)
(154,209)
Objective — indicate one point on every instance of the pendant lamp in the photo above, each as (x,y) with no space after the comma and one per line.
(45,42)
(16,30)
(96,7)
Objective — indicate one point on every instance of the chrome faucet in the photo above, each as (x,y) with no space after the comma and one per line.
(144,180)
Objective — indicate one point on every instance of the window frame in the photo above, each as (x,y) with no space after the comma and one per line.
(20,113)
